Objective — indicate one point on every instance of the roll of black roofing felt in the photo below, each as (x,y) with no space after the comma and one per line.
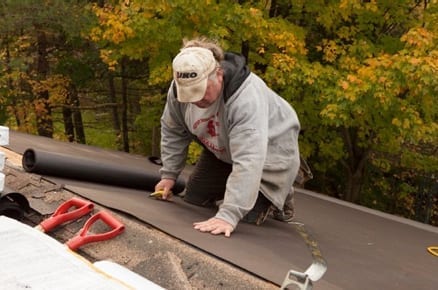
(95,170)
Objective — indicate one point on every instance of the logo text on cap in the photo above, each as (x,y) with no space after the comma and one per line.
(186,75)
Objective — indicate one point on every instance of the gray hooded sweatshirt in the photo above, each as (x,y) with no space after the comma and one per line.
(249,126)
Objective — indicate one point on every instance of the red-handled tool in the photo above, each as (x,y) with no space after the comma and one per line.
(63,213)
(83,237)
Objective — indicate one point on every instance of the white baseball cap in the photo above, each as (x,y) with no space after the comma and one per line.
(191,68)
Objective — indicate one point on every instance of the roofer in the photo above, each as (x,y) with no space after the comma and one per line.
(249,135)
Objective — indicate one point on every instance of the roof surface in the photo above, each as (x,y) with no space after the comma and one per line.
(363,248)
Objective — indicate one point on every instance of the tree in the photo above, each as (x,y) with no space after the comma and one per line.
(360,74)
(134,31)
(340,63)
(38,31)
(359,96)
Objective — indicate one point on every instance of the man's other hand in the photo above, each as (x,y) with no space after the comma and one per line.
(214,226)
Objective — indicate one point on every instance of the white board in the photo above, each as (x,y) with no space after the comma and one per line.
(30,259)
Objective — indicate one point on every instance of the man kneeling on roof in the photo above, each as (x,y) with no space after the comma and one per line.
(249,135)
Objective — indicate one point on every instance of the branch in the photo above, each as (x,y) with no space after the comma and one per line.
(92,107)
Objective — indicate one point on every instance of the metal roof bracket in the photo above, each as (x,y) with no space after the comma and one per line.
(300,280)
(297,279)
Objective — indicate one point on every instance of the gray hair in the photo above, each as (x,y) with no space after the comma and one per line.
(204,42)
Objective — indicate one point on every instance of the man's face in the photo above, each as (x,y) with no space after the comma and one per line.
(214,88)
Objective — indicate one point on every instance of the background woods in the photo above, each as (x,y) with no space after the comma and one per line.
(361,75)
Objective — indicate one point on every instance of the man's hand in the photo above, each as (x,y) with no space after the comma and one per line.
(165,185)
(215,226)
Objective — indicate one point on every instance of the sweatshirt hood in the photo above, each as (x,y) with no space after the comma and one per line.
(235,72)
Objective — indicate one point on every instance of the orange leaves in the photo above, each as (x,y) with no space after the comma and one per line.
(56,87)
(331,111)
(255,12)
(283,62)
(107,57)
(114,27)
(40,107)
(113,24)
(117,32)
(330,49)
(415,61)
(419,37)
(345,85)
(287,42)
(403,124)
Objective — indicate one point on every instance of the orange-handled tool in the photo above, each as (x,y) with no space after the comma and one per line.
(83,237)
(63,213)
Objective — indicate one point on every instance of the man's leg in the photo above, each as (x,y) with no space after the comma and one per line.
(287,213)
(207,183)
(260,212)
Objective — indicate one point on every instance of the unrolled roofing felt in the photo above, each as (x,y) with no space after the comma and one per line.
(364,249)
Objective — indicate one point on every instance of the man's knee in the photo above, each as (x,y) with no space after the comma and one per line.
(260,212)
(200,198)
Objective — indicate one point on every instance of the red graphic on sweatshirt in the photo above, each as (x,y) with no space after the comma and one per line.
(211,128)
(206,129)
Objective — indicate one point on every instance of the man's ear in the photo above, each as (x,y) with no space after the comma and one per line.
(220,73)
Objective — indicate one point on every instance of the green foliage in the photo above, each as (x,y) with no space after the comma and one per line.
(360,74)
(195,151)
(79,72)
(35,35)
(147,125)
(98,130)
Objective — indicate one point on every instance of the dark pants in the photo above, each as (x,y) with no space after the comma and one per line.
(207,184)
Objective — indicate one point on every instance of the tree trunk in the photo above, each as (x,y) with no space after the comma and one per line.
(11,89)
(73,126)
(273,9)
(245,50)
(125,136)
(42,107)
(353,185)
(155,150)
(10,84)
(67,117)
(115,112)
(77,115)
(354,167)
